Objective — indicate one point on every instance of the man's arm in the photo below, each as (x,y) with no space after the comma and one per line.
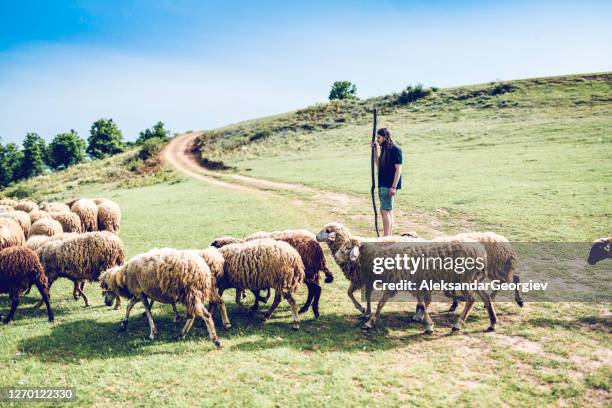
(396,177)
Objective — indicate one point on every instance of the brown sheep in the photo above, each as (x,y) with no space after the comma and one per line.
(20,269)
(5,208)
(11,233)
(8,202)
(36,215)
(87,210)
(109,215)
(21,217)
(262,264)
(168,276)
(55,206)
(69,220)
(45,226)
(26,206)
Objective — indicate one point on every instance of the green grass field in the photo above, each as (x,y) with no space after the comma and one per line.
(535,167)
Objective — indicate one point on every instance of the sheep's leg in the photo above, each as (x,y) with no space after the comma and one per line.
(255,306)
(453,305)
(420,308)
(239,298)
(75,291)
(210,325)
(295,325)
(315,302)
(425,305)
(15,302)
(517,294)
(117,302)
(486,298)
(217,300)
(277,299)
(372,321)
(41,301)
(177,316)
(311,292)
(147,306)
(151,303)
(265,298)
(329,276)
(352,288)
(188,325)
(79,289)
(44,293)
(469,304)
(128,309)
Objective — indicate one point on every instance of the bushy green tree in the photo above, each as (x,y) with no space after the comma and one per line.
(105,139)
(66,149)
(34,156)
(343,90)
(10,164)
(156,132)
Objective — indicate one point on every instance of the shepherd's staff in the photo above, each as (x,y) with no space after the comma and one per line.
(373,179)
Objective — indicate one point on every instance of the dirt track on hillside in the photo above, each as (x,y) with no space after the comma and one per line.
(178,154)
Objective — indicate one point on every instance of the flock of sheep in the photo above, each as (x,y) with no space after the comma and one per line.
(78,240)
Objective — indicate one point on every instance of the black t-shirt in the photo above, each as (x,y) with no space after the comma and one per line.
(386,172)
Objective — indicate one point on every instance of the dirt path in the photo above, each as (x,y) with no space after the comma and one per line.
(178,154)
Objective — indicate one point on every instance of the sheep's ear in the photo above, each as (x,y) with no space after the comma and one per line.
(354,253)
(331,236)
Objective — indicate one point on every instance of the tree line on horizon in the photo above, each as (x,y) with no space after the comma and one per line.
(36,157)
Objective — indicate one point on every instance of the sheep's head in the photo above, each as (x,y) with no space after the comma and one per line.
(109,284)
(601,249)
(332,232)
(349,251)
(223,241)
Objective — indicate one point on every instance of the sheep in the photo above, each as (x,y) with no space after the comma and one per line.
(11,233)
(502,260)
(55,206)
(8,202)
(22,218)
(223,241)
(81,257)
(601,249)
(5,208)
(36,215)
(354,251)
(262,264)
(87,210)
(313,258)
(69,220)
(26,205)
(45,226)
(336,235)
(168,276)
(20,269)
(109,215)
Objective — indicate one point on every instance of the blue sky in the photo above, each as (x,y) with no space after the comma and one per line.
(204,64)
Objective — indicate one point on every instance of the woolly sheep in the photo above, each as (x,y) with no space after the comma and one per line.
(45,226)
(69,220)
(601,249)
(55,206)
(87,210)
(81,257)
(313,258)
(36,215)
(109,215)
(11,233)
(8,202)
(21,217)
(352,251)
(168,276)
(26,205)
(262,264)
(5,208)
(336,235)
(20,269)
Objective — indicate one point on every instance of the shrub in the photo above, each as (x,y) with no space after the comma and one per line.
(411,94)
(343,90)
(150,148)
(262,134)
(156,132)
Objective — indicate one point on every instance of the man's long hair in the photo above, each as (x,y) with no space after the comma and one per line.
(386,145)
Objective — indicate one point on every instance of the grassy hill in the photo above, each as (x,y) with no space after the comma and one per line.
(530,160)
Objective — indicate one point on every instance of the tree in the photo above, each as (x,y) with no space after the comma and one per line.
(66,149)
(105,139)
(158,131)
(343,90)
(34,156)
(10,164)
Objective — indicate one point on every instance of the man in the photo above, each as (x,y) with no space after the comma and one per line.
(389,176)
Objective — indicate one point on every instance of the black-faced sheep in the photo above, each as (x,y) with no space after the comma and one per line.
(87,210)
(261,264)
(69,220)
(11,233)
(167,276)
(601,249)
(45,226)
(109,215)
(433,273)
(22,218)
(20,269)
(81,257)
